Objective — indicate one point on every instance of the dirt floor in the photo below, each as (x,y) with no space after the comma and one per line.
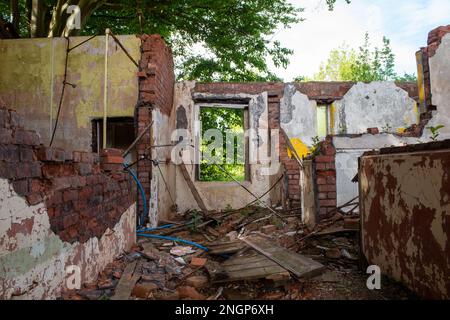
(158,269)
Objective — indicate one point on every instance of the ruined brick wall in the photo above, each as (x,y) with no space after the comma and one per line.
(156,83)
(326,177)
(423,55)
(405,215)
(57,209)
(83,198)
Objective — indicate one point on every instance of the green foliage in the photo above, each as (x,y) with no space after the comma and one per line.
(435,131)
(331,4)
(222,119)
(407,78)
(315,149)
(196,219)
(212,40)
(365,64)
(339,66)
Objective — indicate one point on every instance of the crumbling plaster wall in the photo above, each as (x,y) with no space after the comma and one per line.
(162,187)
(31,83)
(36,266)
(298,115)
(439,65)
(349,149)
(377,104)
(405,213)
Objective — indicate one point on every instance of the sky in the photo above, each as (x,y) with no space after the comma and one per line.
(405,22)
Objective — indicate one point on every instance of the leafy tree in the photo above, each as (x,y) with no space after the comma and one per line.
(222,119)
(234,36)
(406,78)
(339,66)
(365,64)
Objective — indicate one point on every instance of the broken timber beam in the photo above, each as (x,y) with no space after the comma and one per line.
(126,282)
(192,187)
(299,265)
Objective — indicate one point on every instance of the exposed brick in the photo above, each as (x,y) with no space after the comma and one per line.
(111,159)
(331,195)
(323,195)
(5,135)
(70,195)
(26,137)
(26,154)
(70,220)
(331,180)
(324,159)
(34,198)
(9,153)
(83,169)
(327,203)
(21,187)
(327,188)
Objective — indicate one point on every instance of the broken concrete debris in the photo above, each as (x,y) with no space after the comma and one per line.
(244,265)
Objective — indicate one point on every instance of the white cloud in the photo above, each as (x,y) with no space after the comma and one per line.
(405,22)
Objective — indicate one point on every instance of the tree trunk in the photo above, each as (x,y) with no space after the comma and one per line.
(15,16)
(38,12)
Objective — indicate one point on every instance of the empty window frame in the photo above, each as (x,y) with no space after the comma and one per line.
(120,133)
(229,162)
(323,120)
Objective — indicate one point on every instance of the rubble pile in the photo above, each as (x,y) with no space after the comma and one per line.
(251,254)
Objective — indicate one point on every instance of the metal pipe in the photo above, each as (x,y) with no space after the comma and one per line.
(105,89)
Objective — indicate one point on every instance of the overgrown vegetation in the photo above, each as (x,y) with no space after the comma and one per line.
(365,64)
(435,131)
(224,120)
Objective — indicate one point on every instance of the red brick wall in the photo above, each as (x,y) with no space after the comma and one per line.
(326,177)
(156,75)
(434,40)
(82,198)
(156,87)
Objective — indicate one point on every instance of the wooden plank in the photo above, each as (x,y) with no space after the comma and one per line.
(225,248)
(251,274)
(126,282)
(192,187)
(297,264)
(248,266)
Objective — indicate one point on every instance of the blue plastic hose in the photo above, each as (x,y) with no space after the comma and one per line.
(144,198)
(154,236)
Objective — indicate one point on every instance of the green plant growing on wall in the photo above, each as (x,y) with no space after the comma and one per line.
(315,149)
(435,131)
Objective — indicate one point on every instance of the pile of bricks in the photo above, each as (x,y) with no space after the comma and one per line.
(82,200)
(326,177)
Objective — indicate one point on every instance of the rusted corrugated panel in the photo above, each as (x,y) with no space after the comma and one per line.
(405,208)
